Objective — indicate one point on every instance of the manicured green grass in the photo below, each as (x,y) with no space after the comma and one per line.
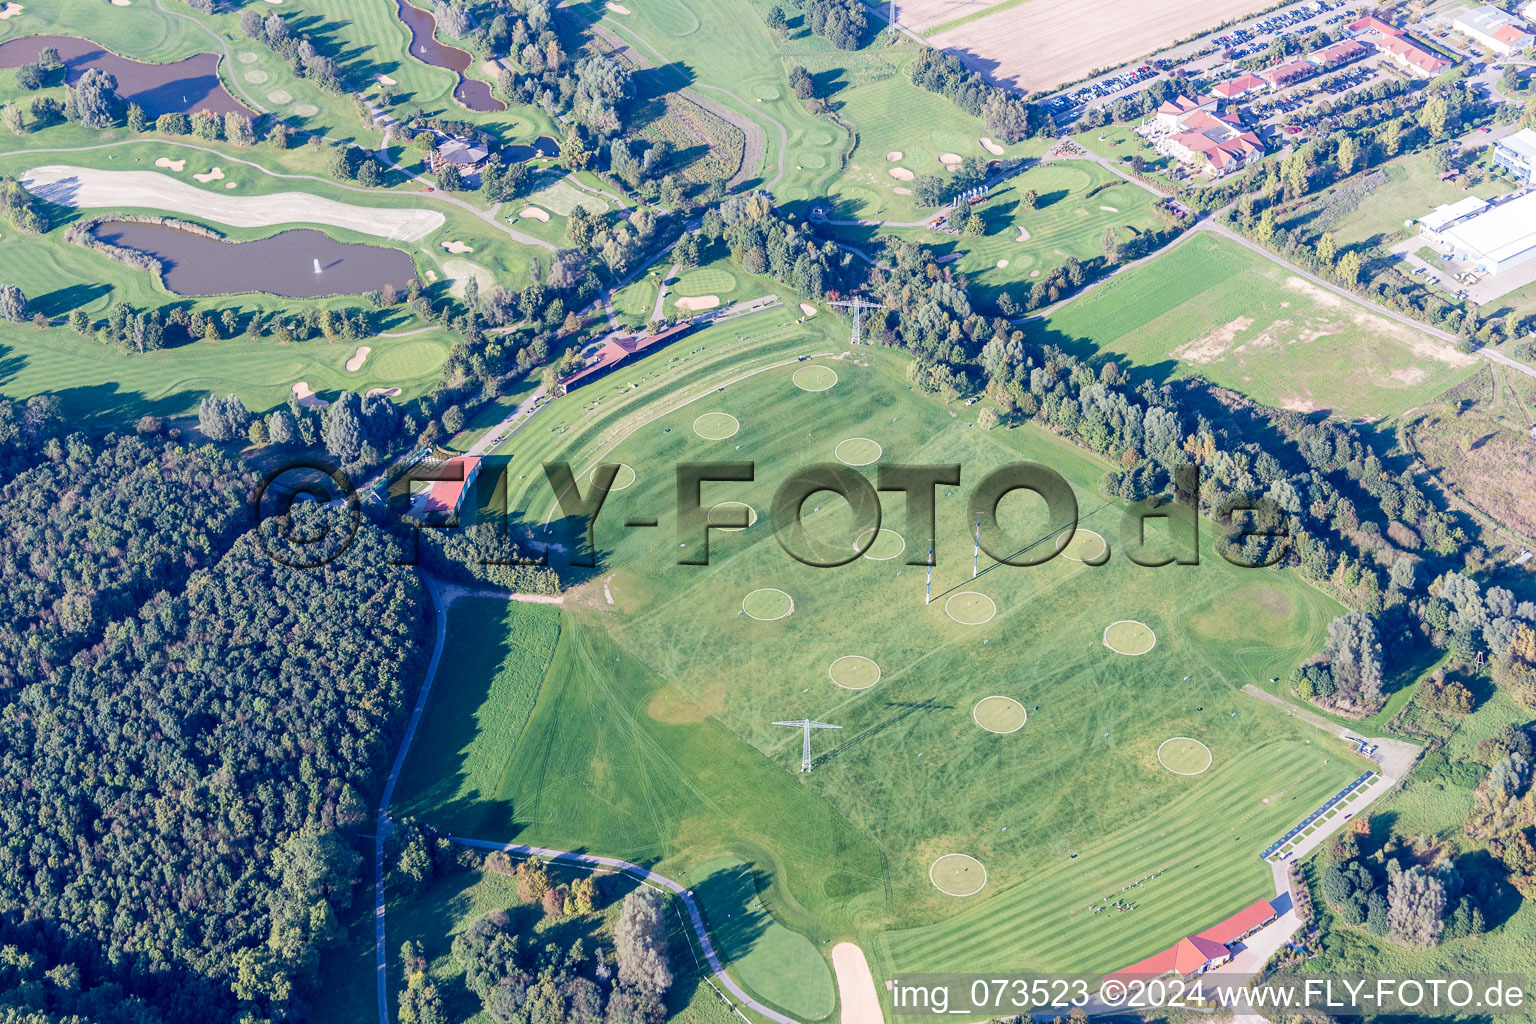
(654,739)
(734,60)
(484,692)
(1211,308)
(714,280)
(1065,222)
(782,966)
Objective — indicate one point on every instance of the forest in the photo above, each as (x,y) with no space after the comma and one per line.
(190,732)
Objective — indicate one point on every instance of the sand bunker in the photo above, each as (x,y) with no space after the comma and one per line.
(358,359)
(901,191)
(115,3)
(175,165)
(855,985)
(951,168)
(807,309)
(1111,209)
(432,276)
(217,174)
(701,302)
(306,396)
(534,213)
(901,174)
(231,184)
(893,156)
(991,147)
(1034,273)
(457,247)
(617,8)
(386,392)
(10,11)
(89,188)
(949,158)
(384,79)
(1001,264)
(1023,236)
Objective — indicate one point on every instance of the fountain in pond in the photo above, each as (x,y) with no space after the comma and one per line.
(317,266)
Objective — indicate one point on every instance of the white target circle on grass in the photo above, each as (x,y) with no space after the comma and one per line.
(858,451)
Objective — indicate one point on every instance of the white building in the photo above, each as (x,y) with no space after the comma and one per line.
(1517,154)
(1433,224)
(1494,29)
(1494,240)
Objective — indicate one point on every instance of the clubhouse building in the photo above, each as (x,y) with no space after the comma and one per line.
(1193,132)
(1196,954)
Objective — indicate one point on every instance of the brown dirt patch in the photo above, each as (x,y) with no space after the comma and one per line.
(1214,345)
(672,706)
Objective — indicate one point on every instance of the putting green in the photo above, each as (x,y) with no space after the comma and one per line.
(815,378)
(723,508)
(854,672)
(716,426)
(768,604)
(887,545)
(409,360)
(1085,546)
(1129,637)
(1184,756)
(1000,714)
(857,451)
(970,608)
(705,281)
(958,874)
(624,478)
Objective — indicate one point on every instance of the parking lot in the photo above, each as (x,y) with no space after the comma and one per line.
(1207,57)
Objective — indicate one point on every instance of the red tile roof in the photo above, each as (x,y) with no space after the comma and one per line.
(1258,913)
(1238,86)
(1289,71)
(1345,50)
(444,495)
(618,349)
(1374,24)
(1509,33)
(1192,953)
(1402,48)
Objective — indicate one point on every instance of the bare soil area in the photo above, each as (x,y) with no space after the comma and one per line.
(1046,43)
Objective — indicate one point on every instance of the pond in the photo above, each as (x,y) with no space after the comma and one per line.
(542,146)
(474,94)
(283,264)
(183,87)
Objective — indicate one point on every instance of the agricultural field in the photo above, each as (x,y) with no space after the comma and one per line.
(1210,308)
(652,739)
(1041,44)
